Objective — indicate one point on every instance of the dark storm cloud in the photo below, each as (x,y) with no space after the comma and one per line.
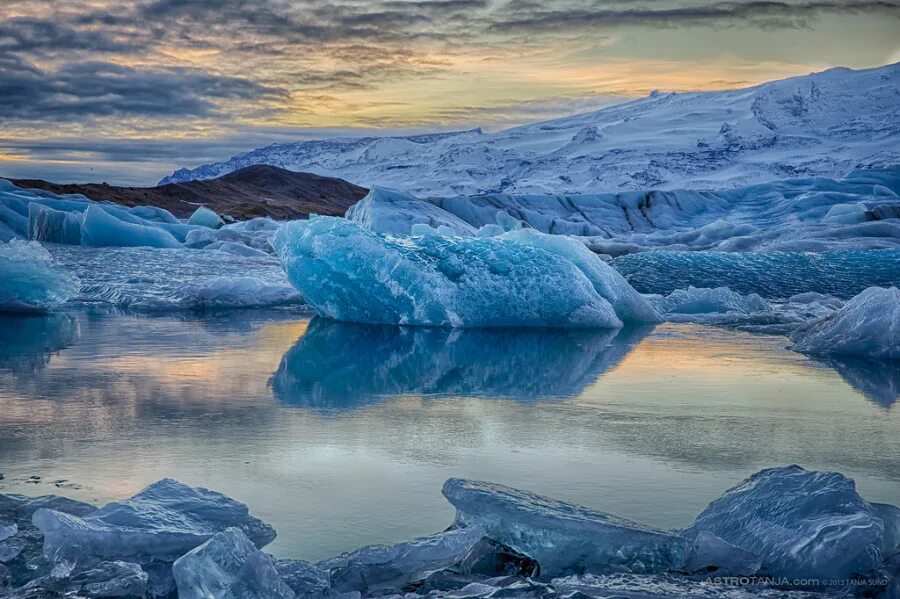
(526,15)
(26,34)
(101,89)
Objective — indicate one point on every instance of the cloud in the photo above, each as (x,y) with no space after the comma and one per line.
(102,89)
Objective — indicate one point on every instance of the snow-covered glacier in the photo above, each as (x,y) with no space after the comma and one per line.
(522,278)
(823,124)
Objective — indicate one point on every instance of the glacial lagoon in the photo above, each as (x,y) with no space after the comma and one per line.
(341,435)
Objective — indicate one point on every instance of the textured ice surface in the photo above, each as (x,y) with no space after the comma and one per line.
(383,566)
(29,279)
(868,325)
(56,226)
(100,228)
(350,273)
(770,274)
(228,566)
(160,523)
(712,556)
(562,537)
(149,279)
(204,217)
(823,124)
(390,211)
(713,306)
(303,578)
(662,586)
(803,524)
(340,365)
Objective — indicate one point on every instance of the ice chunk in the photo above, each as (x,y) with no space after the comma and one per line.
(154,214)
(239,292)
(228,566)
(562,537)
(803,524)
(382,566)
(710,555)
(847,214)
(711,301)
(162,522)
(490,558)
(30,281)
(629,305)
(867,325)
(55,226)
(305,579)
(109,579)
(102,229)
(771,274)
(389,211)
(350,273)
(331,366)
(204,217)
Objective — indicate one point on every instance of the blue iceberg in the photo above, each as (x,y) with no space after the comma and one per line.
(204,217)
(55,226)
(103,229)
(30,281)
(350,273)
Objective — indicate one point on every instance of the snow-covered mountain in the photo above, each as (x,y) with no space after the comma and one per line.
(823,124)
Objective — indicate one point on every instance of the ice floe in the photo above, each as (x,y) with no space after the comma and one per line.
(30,281)
(867,325)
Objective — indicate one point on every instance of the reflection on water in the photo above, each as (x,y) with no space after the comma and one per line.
(28,342)
(341,435)
(877,380)
(339,366)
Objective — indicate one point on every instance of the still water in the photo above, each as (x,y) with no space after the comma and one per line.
(341,435)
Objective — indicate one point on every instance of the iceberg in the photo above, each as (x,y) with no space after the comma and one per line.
(342,366)
(868,325)
(161,523)
(390,211)
(381,566)
(55,226)
(103,229)
(30,281)
(204,217)
(711,306)
(802,524)
(564,538)
(228,565)
(347,272)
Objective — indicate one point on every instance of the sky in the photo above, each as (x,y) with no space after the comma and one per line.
(126,92)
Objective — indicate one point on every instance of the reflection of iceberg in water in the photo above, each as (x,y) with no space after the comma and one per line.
(877,380)
(28,342)
(337,366)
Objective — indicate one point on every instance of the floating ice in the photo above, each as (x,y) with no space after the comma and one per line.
(711,556)
(55,226)
(30,281)
(564,538)
(228,565)
(204,217)
(382,566)
(390,211)
(350,273)
(161,523)
(770,274)
(102,229)
(340,365)
(802,524)
(709,305)
(867,325)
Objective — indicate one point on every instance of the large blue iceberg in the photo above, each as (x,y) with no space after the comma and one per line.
(521,277)
(350,273)
(30,281)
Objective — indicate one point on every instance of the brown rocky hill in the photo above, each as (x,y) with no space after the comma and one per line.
(259,190)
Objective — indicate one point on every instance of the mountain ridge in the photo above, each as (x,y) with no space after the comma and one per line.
(822,124)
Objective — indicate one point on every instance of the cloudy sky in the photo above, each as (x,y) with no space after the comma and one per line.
(128,91)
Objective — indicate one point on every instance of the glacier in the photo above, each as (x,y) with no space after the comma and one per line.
(820,125)
(866,326)
(30,281)
(347,272)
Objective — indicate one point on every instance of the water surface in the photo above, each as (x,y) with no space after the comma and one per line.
(341,435)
